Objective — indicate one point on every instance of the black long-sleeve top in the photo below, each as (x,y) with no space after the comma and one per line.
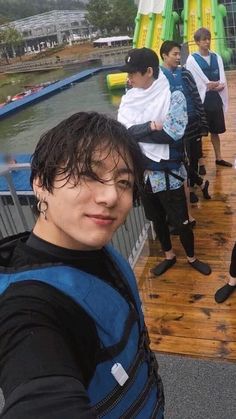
(48,343)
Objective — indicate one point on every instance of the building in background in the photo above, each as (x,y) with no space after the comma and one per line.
(52,28)
(113,41)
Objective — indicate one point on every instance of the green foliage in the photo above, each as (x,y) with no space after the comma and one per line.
(124,13)
(17,9)
(99,14)
(9,37)
(112,16)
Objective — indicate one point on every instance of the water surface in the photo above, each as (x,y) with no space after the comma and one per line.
(20,132)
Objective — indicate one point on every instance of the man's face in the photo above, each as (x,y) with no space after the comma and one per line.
(172,60)
(85,216)
(141,81)
(204,44)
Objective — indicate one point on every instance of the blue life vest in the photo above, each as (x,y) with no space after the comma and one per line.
(122,333)
(212,71)
(177,83)
(174,162)
(175,159)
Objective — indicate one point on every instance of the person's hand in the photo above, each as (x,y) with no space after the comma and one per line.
(212,85)
(156,126)
(220,87)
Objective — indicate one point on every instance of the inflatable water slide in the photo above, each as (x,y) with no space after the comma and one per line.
(208,14)
(155,22)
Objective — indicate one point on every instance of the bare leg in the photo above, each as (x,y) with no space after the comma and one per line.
(215,139)
(169,254)
(232,281)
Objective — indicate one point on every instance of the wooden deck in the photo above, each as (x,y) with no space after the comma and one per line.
(179,306)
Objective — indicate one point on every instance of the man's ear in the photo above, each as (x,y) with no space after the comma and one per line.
(164,56)
(150,71)
(37,187)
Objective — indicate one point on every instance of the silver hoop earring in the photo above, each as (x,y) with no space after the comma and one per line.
(42,207)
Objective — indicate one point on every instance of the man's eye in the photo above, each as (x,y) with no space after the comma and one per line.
(125,183)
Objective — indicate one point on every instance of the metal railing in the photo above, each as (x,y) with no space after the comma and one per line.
(17,215)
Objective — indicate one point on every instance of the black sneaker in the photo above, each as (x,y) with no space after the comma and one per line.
(223,163)
(202,170)
(205,190)
(192,223)
(224,292)
(201,267)
(163,266)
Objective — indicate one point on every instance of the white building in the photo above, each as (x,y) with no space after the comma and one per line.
(55,26)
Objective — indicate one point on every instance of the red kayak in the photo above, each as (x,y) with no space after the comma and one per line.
(30,90)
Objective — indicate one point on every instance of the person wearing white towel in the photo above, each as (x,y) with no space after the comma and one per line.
(157,119)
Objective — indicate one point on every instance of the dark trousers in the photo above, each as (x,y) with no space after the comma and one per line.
(194,151)
(232,269)
(169,205)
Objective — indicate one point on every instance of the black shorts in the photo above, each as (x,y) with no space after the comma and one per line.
(216,121)
(171,204)
(213,106)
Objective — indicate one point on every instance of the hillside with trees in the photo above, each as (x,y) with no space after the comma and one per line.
(112,16)
(18,9)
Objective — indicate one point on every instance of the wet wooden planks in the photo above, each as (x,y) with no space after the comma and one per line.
(180,310)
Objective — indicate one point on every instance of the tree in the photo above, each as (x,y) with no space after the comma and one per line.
(124,13)
(17,9)
(99,15)
(112,16)
(10,37)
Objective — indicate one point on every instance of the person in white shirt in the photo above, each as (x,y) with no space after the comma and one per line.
(208,71)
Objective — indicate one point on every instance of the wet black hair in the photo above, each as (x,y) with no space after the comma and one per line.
(155,72)
(202,33)
(68,149)
(167,46)
(139,60)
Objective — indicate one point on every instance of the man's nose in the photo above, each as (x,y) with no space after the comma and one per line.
(107,194)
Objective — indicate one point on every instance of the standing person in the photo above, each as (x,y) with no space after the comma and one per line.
(73,338)
(9,159)
(157,119)
(208,71)
(181,79)
(224,292)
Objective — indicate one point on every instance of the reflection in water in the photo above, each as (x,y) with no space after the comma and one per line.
(20,132)
(115,97)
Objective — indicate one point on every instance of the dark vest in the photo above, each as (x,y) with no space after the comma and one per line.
(122,333)
(177,83)
(213,100)
(212,71)
(174,162)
